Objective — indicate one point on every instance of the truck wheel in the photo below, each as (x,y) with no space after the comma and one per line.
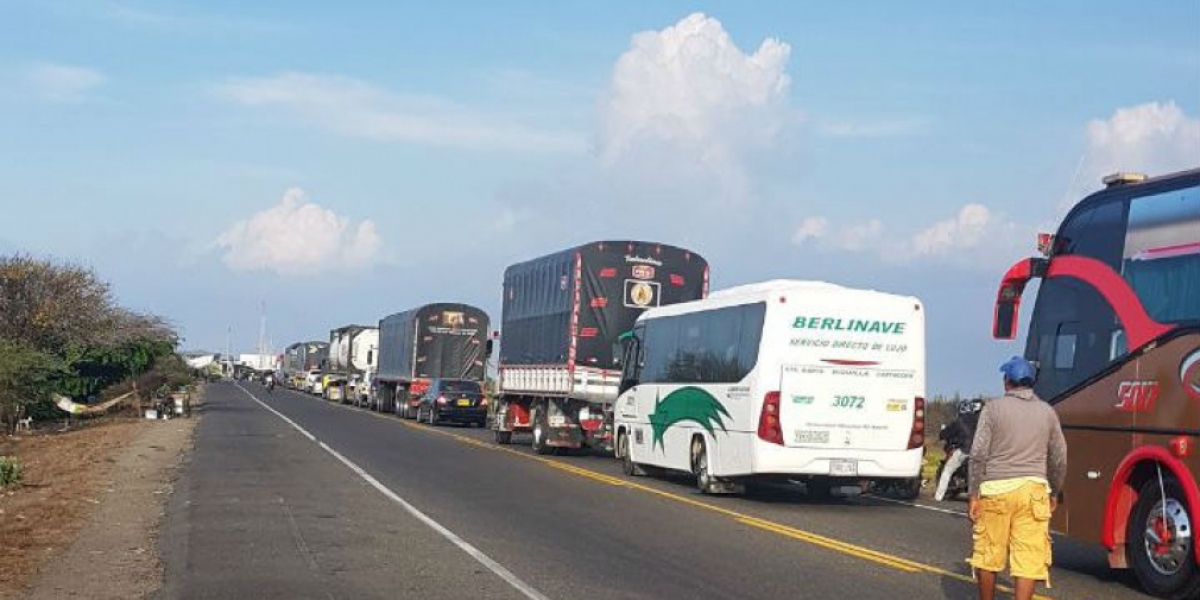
(503,438)
(700,466)
(539,433)
(630,468)
(1160,543)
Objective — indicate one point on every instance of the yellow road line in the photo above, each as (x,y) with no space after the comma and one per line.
(847,548)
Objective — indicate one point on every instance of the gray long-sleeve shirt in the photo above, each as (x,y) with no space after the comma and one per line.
(1018,436)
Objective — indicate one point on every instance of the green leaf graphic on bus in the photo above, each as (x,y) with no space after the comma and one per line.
(686,404)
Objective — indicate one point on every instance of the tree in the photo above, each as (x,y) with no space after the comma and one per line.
(26,376)
(61,331)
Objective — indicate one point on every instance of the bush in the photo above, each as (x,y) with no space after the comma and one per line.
(10,471)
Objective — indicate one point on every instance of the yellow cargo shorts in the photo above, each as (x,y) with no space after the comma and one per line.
(1014,528)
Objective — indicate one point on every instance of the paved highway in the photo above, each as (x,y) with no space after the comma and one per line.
(289,496)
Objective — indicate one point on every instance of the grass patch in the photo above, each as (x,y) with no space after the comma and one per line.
(10,472)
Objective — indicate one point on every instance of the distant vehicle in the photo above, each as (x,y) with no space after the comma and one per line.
(788,380)
(301,358)
(563,313)
(313,382)
(453,401)
(352,352)
(1115,334)
(435,341)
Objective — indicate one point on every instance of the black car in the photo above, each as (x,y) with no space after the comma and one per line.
(453,401)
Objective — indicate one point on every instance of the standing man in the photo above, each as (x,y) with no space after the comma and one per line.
(1018,464)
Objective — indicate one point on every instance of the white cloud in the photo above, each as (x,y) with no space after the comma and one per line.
(686,101)
(975,236)
(964,231)
(856,238)
(296,237)
(1154,138)
(63,83)
(353,107)
(811,228)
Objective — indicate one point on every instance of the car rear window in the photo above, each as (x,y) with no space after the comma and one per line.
(460,386)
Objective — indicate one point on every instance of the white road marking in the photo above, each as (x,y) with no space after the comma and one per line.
(524,588)
(947,511)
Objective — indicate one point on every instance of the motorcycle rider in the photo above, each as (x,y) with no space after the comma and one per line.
(270,382)
(956,438)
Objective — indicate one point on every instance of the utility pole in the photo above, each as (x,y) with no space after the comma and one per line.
(262,337)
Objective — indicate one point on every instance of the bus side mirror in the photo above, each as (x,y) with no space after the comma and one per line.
(1005,325)
(487,348)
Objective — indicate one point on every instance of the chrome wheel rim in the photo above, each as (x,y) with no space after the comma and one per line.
(1167,536)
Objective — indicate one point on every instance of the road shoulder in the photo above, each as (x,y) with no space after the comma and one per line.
(115,554)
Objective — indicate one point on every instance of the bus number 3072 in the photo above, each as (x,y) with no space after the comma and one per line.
(848,401)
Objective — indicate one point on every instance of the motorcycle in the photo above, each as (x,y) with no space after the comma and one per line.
(959,479)
(271,386)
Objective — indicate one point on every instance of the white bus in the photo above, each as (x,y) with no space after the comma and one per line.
(789,380)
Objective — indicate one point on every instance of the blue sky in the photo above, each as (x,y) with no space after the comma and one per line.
(209,157)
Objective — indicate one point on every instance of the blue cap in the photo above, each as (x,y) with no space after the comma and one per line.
(1018,369)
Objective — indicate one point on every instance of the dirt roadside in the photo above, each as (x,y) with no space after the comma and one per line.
(85,522)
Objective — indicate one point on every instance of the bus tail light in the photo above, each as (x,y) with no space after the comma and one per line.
(916,437)
(769,429)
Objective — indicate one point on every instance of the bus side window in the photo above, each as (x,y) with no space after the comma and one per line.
(1071,335)
(1118,347)
(1064,350)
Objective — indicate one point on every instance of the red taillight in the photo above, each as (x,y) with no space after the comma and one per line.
(441,399)
(916,437)
(769,429)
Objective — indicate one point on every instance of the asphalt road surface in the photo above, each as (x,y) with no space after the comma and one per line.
(289,496)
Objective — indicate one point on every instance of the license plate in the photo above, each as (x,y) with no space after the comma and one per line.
(464,402)
(843,468)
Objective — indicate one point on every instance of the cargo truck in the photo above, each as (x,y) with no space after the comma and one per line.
(435,341)
(352,351)
(301,360)
(563,314)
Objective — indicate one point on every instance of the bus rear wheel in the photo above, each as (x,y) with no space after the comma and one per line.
(1160,542)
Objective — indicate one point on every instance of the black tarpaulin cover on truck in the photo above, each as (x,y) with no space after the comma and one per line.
(617,281)
(444,340)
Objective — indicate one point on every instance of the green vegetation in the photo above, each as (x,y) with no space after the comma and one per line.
(10,472)
(62,332)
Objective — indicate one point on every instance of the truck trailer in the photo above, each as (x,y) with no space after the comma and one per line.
(563,315)
(352,351)
(435,341)
(302,359)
